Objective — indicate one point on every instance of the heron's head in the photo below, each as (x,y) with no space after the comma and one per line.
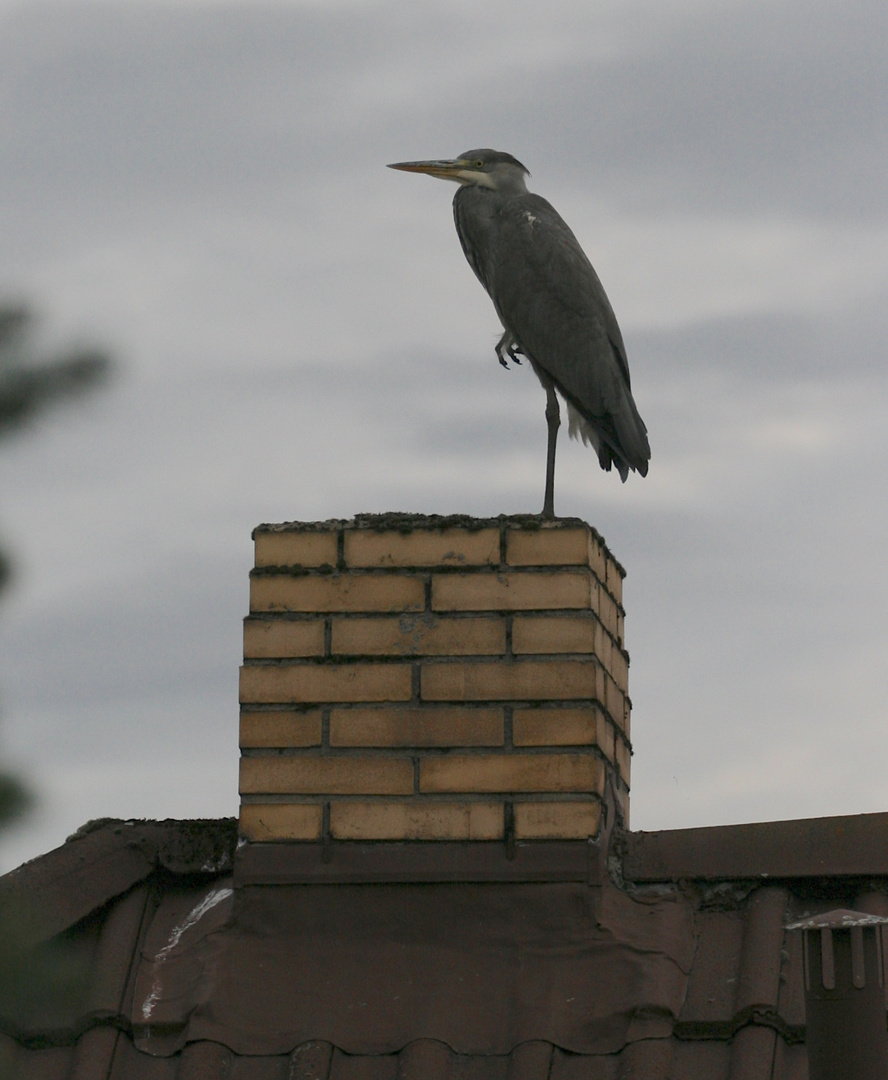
(484,168)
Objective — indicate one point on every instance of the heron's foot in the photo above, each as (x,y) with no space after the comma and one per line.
(508,347)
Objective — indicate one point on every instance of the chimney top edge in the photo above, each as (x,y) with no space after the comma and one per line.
(405,523)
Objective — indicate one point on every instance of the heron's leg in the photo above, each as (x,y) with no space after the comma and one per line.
(553,419)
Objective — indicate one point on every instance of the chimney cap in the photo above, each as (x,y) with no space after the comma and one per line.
(840,919)
(400,520)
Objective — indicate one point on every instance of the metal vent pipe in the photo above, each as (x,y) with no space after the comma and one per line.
(846,1034)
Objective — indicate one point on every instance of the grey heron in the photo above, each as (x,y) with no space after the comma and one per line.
(552,306)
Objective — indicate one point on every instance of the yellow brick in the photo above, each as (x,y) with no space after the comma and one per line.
(280,729)
(622,795)
(598,557)
(279,684)
(604,646)
(554,634)
(556,820)
(279,638)
(624,758)
(522,680)
(619,668)
(422,547)
(417,635)
(310,775)
(280,821)
(428,820)
(512,592)
(610,616)
(614,581)
(336,592)
(296,548)
(511,773)
(563,727)
(552,545)
(435,726)
(614,700)
(606,738)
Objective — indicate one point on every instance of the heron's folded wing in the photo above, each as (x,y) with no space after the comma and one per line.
(548,294)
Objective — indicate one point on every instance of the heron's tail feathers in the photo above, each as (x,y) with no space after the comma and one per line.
(628,448)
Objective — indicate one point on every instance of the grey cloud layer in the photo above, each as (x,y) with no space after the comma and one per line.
(203,186)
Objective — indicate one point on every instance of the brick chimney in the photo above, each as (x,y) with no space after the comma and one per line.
(424,678)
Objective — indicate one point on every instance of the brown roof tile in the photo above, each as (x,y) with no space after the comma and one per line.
(145,960)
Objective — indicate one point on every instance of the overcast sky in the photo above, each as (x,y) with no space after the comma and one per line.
(200,188)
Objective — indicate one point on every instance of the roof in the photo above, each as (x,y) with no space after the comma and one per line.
(158,950)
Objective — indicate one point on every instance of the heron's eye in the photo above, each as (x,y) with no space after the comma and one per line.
(479,164)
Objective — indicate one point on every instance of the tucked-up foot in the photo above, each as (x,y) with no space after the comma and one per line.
(508,346)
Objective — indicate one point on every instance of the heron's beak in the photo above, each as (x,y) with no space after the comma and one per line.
(446,169)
